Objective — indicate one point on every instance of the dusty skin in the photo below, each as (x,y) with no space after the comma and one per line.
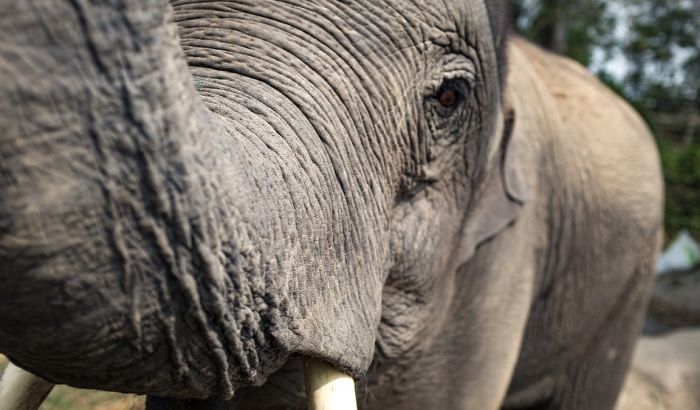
(197,196)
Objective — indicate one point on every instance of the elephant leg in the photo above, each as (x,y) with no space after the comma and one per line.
(594,379)
(593,372)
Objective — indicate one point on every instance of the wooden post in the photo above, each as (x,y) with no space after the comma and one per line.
(328,388)
(21,390)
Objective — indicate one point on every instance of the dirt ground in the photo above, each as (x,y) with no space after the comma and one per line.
(666,370)
(665,374)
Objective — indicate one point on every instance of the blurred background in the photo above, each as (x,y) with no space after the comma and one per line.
(647,51)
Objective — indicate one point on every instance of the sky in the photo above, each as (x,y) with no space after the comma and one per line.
(615,64)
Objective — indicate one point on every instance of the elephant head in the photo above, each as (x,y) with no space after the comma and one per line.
(192,193)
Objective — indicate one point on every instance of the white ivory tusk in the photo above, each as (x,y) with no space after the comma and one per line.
(328,388)
(21,390)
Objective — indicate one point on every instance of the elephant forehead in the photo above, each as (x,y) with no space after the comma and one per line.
(386,27)
(349,54)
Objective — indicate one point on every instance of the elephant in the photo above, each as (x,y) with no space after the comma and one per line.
(198,196)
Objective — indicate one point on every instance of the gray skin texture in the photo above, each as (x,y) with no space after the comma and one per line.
(194,195)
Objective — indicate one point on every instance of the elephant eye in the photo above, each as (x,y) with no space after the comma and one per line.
(448,98)
(450,95)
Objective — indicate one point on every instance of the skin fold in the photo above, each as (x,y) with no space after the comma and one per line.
(195,195)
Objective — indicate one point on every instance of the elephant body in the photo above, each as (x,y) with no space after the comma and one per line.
(580,257)
(577,345)
(197,194)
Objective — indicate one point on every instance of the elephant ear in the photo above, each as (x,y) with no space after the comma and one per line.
(498,203)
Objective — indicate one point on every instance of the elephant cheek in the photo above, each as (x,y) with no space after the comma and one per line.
(417,290)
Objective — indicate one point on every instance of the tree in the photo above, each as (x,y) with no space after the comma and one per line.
(663,47)
(571,28)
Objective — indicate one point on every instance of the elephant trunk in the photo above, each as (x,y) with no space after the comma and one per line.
(147,243)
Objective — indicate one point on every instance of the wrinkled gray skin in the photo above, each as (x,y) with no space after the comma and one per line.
(195,195)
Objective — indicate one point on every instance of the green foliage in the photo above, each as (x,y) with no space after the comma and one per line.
(663,46)
(682,175)
(571,27)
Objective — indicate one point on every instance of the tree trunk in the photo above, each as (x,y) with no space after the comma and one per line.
(550,26)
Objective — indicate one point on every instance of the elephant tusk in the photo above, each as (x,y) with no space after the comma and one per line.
(328,388)
(21,390)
